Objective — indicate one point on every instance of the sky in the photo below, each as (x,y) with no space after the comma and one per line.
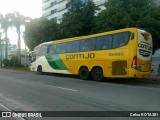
(30,8)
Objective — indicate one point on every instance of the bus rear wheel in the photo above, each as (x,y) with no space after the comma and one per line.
(97,74)
(39,70)
(84,73)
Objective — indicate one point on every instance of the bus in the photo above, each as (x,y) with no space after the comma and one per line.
(124,53)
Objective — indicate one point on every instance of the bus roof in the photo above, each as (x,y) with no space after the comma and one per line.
(89,36)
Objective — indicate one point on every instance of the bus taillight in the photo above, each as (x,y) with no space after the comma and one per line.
(134,62)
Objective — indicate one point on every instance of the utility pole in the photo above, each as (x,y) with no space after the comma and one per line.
(25,56)
(1,48)
(19,44)
(6,46)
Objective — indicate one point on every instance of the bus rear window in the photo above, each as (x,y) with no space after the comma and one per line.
(121,39)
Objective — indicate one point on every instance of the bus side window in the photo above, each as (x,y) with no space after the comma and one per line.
(43,50)
(52,49)
(33,57)
(73,46)
(104,42)
(121,39)
(88,44)
(61,48)
(36,50)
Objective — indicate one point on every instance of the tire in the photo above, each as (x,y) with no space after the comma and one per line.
(97,74)
(39,70)
(84,73)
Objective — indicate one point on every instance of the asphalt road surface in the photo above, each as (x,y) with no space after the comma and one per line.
(27,91)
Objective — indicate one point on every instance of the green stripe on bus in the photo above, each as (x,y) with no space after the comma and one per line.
(55,62)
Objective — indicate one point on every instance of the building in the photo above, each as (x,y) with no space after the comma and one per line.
(11,49)
(54,9)
(158,2)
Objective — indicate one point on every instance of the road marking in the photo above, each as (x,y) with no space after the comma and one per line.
(120,85)
(64,88)
(59,87)
(134,87)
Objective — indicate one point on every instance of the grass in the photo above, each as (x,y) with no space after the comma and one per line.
(15,68)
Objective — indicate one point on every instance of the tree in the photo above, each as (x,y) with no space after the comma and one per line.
(152,24)
(17,20)
(88,18)
(130,13)
(5,24)
(40,30)
(75,6)
(71,26)
(79,20)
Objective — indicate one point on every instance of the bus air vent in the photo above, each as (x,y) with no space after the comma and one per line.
(119,68)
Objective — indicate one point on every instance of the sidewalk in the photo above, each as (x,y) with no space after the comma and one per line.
(154,76)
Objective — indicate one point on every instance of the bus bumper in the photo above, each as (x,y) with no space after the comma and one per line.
(140,74)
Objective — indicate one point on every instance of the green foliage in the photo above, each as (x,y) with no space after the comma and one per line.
(6,62)
(79,20)
(75,6)
(130,13)
(70,26)
(5,23)
(13,62)
(88,17)
(38,31)
(17,20)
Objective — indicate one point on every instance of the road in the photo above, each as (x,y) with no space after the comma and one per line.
(27,91)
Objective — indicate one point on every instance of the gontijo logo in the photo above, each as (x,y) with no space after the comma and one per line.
(146,36)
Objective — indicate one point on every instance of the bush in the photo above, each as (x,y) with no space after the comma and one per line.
(12,62)
(6,62)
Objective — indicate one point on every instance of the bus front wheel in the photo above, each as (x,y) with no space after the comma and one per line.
(84,73)
(97,74)
(39,70)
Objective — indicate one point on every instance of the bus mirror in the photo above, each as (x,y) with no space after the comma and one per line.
(132,36)
(32,56)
